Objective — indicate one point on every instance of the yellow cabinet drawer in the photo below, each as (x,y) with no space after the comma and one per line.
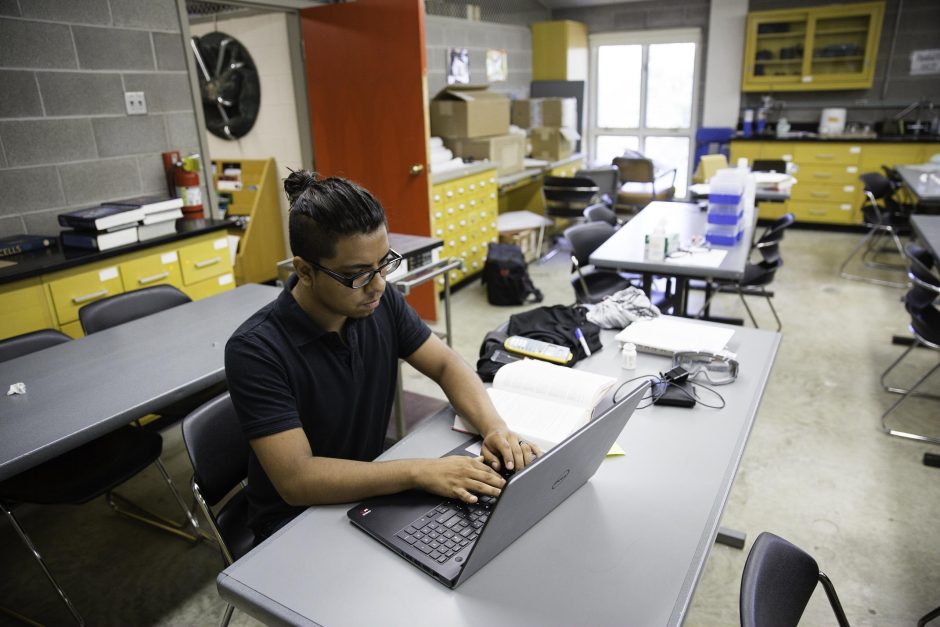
(71,293)
(24,308)
(825,192)
(771,210)
(822,153)
(828,212)
(745,150)
(779,150)
(203,260)
(211,286)
(73,329)
(832,174)
(877,155)
(156,269)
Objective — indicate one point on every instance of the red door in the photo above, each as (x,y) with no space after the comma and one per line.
(366,85)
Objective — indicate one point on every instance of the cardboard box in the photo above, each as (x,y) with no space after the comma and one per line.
(552,144)
(526,240)
(469,111)
(506,151)
(550,112)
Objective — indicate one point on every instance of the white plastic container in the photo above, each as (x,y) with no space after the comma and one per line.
(656,243)
(628,357)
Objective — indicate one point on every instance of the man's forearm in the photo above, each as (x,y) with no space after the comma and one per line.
(325,480)
(467,394)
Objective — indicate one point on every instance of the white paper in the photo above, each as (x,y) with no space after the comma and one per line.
(925,62)
(225,279)
(220,243)
(169,257)
(107,274)
(17,388)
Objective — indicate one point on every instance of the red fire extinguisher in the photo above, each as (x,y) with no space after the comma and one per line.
(186,179)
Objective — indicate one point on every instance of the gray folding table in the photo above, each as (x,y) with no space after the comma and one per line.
(928,230)
(924,182)
(626,549)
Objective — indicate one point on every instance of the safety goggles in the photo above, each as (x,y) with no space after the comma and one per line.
(716,369)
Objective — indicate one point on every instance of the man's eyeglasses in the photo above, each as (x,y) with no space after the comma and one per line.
(717,369)
(361,279)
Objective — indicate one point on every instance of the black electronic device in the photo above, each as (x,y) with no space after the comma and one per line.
(673,394)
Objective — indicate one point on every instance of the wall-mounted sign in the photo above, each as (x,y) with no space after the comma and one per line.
(458,65)
(925,62)
(497,66)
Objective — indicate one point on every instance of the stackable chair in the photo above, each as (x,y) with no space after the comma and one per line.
(757,276)
(778,581)
(601,213)
(566,198)
(924,327)
(607,179)
(769,165)
(640,184)
(591,284)
(219,455)
(885,218)
(84,473)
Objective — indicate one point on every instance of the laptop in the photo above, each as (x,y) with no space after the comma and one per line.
(450,540)
(667,335)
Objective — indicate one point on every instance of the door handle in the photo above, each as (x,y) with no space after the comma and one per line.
(416,169)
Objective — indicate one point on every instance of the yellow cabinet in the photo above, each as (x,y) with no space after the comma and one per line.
(211,286)
(827,47)
(204,260)
(71,290)
(158,268)
(24,308)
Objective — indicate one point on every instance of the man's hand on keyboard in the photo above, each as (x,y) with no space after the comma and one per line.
(458,477)
(503,448)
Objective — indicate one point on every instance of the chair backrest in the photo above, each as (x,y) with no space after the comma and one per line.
(120,308)
(219,455)
(19,345)
(568,196)
(635,170)
(877,184)
(709,164)
(778,581)
(585,238)
(606,177)
(925,286)
(769,243)
(769,165)
(600,213)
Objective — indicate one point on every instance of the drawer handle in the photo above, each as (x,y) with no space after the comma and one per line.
(78,300)
(823,175)
(825,156)
(816,212)
(207,262)
(146,280)
(819,194)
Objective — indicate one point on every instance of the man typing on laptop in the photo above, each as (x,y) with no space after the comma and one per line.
(312,375)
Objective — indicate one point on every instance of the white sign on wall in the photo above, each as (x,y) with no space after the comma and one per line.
(925,62)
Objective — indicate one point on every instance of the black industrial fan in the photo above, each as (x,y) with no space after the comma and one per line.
(228,80)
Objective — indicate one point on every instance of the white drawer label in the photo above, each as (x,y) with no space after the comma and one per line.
(225,279)
(220,243)
(169,257)
(848,189)
(854,150)
(107,274)
(851,169)
(807,79)
(845,207)
(787,157)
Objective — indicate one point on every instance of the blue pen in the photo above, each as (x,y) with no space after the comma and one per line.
(578,334)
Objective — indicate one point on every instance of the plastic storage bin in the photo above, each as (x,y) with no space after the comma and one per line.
(724,234)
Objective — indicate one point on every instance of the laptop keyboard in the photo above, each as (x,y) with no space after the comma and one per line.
(448,528)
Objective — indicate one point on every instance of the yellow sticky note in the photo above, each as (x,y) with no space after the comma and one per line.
(615,450)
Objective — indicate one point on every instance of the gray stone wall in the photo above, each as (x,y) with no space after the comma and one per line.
(65,139)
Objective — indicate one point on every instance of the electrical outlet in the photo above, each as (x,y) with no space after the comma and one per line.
(136,104)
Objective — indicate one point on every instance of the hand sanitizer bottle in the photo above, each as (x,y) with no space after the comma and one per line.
(656,243)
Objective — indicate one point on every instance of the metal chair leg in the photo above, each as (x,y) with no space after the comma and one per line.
(229,608)
(126,507)
(833,599)
(42,564)
(747,308)
(856,277)
(903,434)
(894,390)
(773,310)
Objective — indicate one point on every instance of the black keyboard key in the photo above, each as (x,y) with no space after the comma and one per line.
(443,518)
(451,522)
(443,558)
(466,531)
(434,545)
(448,534)
(424,548)
(435,554)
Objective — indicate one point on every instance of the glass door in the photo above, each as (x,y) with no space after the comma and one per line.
(643,95)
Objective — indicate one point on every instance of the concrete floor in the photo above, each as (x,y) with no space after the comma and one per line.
(816,471)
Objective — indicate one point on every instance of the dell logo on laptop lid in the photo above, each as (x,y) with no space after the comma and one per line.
(561,478)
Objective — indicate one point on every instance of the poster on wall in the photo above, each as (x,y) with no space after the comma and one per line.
(925,62)
(497,66)
(458,66)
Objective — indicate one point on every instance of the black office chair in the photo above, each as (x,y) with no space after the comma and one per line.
(757,276)
(601,213)
(128,306)
(885,217)
(120,308)
(607,179)
(566,198)
(778,581)
(591,284)
(769,165)
(219,455)
(924,327)
(84,473)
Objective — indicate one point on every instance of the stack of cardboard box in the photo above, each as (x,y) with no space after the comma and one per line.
(474,124)
(552,124)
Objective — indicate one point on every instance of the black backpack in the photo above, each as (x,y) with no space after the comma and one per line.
(506,278)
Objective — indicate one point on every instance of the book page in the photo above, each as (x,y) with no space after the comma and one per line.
(539,420)
(561,384)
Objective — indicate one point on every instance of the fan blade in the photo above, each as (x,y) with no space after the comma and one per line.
(199,61)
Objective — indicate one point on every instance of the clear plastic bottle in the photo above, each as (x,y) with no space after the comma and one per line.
(628,357)
(656,243)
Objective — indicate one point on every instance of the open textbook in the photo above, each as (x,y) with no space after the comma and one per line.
(541,402)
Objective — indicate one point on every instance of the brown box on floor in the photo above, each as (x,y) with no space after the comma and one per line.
(552,144)
(469,111)
(506,151)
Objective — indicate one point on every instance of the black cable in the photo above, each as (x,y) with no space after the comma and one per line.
(654,380)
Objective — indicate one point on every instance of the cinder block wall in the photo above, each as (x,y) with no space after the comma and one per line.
(65,139)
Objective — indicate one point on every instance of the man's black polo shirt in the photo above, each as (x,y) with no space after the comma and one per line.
(285,372)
